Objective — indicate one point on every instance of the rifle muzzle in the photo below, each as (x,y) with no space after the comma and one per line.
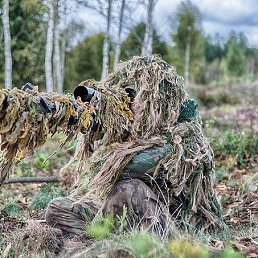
(84,92)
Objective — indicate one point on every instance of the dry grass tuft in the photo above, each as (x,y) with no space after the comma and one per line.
(37,237)
(32,240)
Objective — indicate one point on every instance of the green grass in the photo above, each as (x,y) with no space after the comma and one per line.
(24,169)
(143,244)
(228,252)
(101,227)
(46,193)
(242,146)
(11,208)
(216,100)
(42,162)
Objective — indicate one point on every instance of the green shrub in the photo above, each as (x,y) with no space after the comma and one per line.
(241,146)
(143,244)
(121,221)
(24,169)
(185,248)
(217,100)
(47,193)
(41,162)
(101,227)
(220,173)
(11,208)
(228,252)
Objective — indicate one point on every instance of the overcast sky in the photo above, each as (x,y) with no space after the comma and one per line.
(219,16)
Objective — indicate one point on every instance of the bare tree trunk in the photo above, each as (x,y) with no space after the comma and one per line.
(148,37)
(58,61)
(49,49)
(118,44)
(105,64)
(250,66)
(187,60)
(1,35)
(60,43)
(7,45)
(63,42)
(62,56)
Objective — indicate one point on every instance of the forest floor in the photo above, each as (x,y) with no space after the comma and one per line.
(229,115)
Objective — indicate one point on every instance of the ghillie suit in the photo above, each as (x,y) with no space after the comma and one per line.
(150,155)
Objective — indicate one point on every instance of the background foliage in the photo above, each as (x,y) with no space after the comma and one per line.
(212,58)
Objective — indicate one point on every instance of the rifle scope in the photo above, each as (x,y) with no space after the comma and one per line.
(84,92)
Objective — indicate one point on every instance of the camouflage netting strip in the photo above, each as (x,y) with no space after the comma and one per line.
(114,116)
(24,125)
(108,163)
(189,167)
(162,110)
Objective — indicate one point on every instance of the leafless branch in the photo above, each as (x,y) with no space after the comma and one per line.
(23,180)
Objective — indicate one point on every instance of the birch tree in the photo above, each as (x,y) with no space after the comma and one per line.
(103,8)
(7,45)
(120,27)
(63,43)
(188,35)
(63,56)
(61,34)
(148,37)
(57,53)
(131,45)
(49,48)
(105,64)
(57,60)
(187,55)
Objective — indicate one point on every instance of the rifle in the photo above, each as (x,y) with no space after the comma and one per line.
(28,116)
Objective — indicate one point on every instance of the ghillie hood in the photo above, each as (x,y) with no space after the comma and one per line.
(160,96)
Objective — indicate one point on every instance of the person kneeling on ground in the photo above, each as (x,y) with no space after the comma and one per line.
(145,152)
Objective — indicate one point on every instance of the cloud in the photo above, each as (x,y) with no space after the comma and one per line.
(219,16)
(237,12)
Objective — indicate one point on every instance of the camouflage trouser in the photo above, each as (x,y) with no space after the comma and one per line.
(144,210)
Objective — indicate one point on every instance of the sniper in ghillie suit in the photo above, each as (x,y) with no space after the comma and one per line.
(141,148)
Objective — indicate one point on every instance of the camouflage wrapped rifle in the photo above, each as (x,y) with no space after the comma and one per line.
(28,116)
